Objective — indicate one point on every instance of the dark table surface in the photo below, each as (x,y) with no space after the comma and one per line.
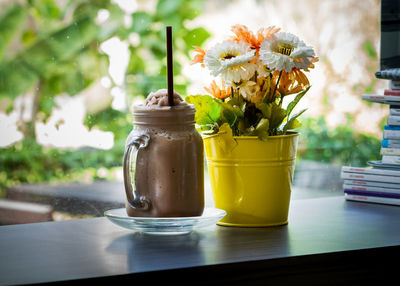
(326,239)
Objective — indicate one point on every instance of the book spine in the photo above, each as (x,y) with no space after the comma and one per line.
(389,127)
(391,143)
(391,159)
(393,120)
(390,151)
(370,199)
(373,98)
(373,194)
(369,170)
(391,99)
(371,189)
(380,98)
(394,84)
(371,184)
(391,134)
(370,177)
(391,92)
(394,111)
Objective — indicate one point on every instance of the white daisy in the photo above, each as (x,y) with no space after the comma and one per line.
(231,61)
(285,51)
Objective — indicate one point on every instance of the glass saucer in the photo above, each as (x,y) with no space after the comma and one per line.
(164,225)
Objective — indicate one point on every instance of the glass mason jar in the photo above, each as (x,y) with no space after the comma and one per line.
(164,164)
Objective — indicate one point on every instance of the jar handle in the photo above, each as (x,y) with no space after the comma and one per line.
(133,198)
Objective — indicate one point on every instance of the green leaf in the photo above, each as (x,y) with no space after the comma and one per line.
(141,22)
(46,9)
(71,83)
(208,111)
(10,23)
(167,8)
(296,100)
(262,129)
(230,117)
(46,105)
(39,58)
(232,108)
(278,114)
(196,37)
(225,139)
(265,109)
(19,80)
(66,42)
(293,123)
(136,63)
(45,57)
(190,9)
(28,37)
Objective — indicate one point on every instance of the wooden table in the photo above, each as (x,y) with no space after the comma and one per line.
(327,240)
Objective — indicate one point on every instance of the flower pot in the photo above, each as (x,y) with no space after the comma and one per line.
(251,179)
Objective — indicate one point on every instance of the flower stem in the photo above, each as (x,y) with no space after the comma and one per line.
(277,82)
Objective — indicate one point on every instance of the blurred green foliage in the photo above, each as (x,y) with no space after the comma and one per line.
(340,145)
(29,162)
(49,48)
(370,50)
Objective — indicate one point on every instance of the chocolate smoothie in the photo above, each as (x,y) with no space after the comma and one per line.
(167,173)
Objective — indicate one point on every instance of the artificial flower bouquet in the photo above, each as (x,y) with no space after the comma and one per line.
(257,72)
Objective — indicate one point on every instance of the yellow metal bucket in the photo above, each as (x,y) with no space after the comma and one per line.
(251,179)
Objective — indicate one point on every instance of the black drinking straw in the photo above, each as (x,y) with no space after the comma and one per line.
(170,79)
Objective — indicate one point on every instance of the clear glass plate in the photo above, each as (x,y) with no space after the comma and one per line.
(164,225)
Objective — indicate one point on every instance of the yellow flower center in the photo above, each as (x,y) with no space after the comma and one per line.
(228,55)
(285,49)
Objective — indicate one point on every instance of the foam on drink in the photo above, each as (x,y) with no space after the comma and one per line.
(160,98)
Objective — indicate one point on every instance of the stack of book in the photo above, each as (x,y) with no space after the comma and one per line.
(390,149)
(371,184)
(380,181)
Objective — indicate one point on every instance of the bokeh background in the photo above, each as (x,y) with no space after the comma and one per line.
(71,70)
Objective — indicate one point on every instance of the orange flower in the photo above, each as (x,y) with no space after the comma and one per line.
(290,83)
(215,91)
(244,35)
(267,32)
(199,56)
(300,77)
(313,60)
